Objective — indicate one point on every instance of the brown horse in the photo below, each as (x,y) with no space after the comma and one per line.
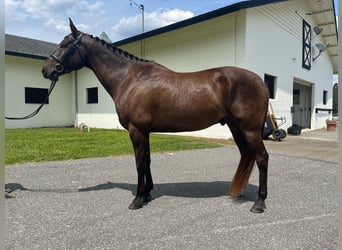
(152,98)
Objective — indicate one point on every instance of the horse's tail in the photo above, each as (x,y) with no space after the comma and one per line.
(242,174)
(246,164)
(247,160)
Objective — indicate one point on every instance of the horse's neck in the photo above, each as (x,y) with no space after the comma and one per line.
(108,66)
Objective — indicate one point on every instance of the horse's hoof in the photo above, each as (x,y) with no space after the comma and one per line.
(139,202)
(231,194)
(236,198)
(147,199)
(258,207)
(136,204)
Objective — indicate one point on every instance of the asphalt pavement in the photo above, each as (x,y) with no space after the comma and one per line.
(82,204)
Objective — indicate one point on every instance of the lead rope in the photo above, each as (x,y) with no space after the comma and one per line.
(53,83)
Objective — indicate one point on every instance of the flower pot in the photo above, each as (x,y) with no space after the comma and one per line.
(331,125)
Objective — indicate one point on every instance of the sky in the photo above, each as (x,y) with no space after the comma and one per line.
(47,20)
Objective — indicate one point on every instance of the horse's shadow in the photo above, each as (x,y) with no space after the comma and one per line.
(180,189)
(183,189)
(10,187)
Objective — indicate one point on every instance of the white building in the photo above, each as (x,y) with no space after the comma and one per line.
(275,39)
(25,86)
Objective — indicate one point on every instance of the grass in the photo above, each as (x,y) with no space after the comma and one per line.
(49,144)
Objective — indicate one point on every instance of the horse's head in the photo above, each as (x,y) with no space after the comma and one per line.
(67,56)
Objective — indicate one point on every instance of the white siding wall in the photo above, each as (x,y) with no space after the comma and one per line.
(209,44)
(274,46)
(101,114)
(23,72)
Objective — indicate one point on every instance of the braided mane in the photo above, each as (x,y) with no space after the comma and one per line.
(119,51)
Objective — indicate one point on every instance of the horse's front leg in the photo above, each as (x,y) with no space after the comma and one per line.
(141,147)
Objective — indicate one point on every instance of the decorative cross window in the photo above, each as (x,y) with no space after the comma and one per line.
(306,56)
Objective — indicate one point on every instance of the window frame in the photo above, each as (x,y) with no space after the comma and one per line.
(34,95)
(92,95)
(271,83)
(325,97)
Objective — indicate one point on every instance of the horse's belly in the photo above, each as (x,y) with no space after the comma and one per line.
(179,123)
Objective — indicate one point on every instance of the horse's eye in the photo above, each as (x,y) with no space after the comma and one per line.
(64,44)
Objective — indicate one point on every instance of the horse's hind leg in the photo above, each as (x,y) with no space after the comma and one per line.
(254,139)
(246,164)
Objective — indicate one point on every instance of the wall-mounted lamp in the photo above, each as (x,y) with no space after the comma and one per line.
(317,30)
(321,47)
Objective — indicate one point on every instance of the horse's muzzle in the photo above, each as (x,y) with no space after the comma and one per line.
(53,75)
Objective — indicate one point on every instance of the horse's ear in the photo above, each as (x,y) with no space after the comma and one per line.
(73,28)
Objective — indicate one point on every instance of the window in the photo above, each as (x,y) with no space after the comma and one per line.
(296,96)
(271,85)
(36,95)
(92,95)
(325,97)
(306,54)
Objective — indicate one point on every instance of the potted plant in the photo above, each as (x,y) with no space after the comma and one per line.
(331,124)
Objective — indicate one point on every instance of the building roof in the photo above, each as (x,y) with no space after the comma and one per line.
(105,37)
(27,47)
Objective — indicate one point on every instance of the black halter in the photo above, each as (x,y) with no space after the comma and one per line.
(60,67)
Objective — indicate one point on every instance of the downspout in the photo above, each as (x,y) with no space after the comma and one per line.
(76,99)
(235,38)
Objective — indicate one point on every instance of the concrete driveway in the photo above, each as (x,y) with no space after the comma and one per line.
(82,204)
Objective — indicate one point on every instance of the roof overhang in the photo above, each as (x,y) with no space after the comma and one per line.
(14,53)
(27,47)
(323,12)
